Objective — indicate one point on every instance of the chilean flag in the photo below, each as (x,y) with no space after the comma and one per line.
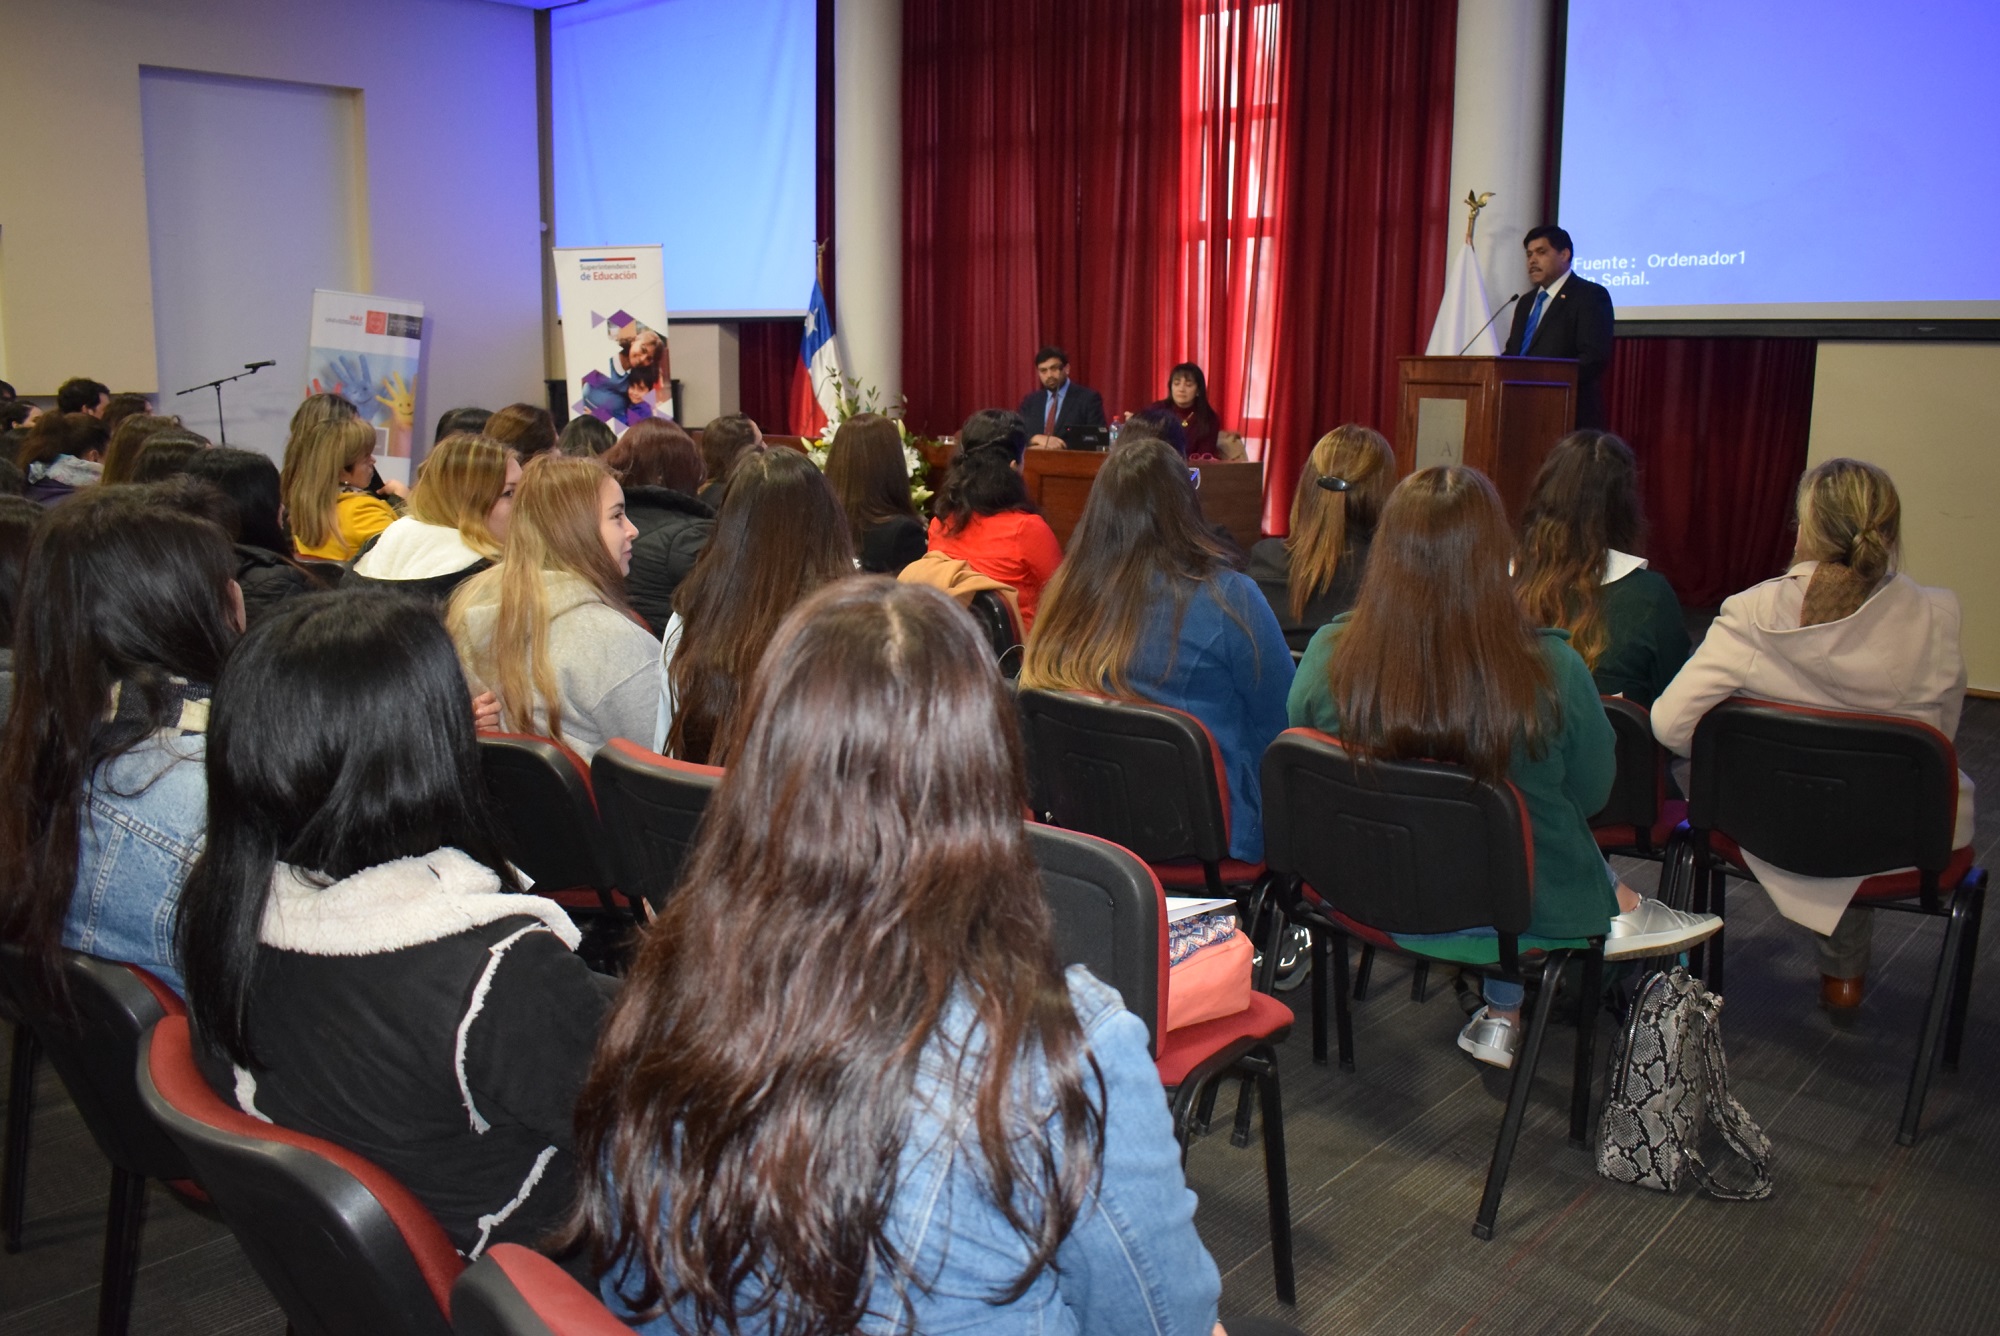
(819,355)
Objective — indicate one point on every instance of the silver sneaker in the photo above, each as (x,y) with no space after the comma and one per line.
(1490,1038)
(1657,929)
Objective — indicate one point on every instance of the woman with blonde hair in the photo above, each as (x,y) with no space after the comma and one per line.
(325,484)
(548,630)
(1310,576)
(1145,606)
(1843,630)
(458,519)
(1575,567)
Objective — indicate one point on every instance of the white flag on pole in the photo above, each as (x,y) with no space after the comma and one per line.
(1463,310)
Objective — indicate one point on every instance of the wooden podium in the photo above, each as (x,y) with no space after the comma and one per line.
(1059,481)
(1499,415)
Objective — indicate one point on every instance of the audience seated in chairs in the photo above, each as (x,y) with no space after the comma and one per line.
(909,1111)
(1575,568)
(62,454)
(866,468)
(128,610)
(548,630)
(1438,662)
(660,466)
(457,521)
(724,441)
(267,568)
(329,463)
(359,964)
(780,535)
(1842,629)
(19,518)
(1147,608)
(984,517)
(1310,576)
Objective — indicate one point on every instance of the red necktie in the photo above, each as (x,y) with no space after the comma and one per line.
(1049,423)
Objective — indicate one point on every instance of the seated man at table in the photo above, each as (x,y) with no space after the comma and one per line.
(1061,411)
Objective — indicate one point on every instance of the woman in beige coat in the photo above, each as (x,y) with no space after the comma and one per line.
(1841,629)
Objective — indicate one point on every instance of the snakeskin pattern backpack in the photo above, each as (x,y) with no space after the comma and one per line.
(1669,1084)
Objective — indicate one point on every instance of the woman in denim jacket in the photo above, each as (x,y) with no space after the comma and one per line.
(128,608)
(897,1112)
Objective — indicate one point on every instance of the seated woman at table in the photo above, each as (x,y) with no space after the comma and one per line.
(1574,568)
(1438,662)
(1146,607)
(929,1125)
(984,517)
(1844,630)
(1187,401)
(1311,576)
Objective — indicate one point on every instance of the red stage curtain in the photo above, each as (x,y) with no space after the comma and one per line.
(769,353)
(1367,218)
(1720,427)
(1041,166)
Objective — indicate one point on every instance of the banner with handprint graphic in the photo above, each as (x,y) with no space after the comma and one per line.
(368,350)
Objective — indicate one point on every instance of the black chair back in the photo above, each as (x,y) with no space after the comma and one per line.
(340,1244)
(511,1291)
(1110,916)
(1143,776)
(997,621)
(652,809)
(95,1050)
(1640,787)
(1401,846)
(548,816)
(1825,793)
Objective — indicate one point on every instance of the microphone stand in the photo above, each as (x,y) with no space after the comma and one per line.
(249,369)
(1469,342)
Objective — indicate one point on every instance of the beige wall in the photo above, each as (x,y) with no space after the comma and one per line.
(452,205)
(1929,413)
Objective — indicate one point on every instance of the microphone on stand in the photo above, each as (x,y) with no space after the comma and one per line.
(1483,328)
(252,366)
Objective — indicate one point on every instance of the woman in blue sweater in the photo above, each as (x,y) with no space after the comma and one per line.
(1146,606)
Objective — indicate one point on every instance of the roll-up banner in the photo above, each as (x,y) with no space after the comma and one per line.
(370,350)
(613,305)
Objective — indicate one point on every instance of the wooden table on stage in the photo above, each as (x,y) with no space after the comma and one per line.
(1232,491)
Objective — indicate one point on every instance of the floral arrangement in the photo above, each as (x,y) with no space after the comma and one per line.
(853,398)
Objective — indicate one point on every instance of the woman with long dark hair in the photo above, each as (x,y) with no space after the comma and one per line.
(19,518)
(1438,662)
(359,964)
(866,467)
(780,535)
(1146,606)
(1187,402)
(910,1117)
(1576,567)
(267,566)
(1311,575)
(128,610)
(984,517)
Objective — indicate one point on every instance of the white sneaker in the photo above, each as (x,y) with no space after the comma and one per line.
(1657,929)
(1490,1038)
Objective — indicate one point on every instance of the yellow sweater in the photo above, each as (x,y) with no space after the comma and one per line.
(357,517)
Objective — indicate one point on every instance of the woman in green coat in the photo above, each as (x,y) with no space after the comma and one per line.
(1438,661)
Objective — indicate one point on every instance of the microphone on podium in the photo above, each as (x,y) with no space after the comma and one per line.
(1489,321)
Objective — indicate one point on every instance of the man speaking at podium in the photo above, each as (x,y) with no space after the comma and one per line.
(1567,316)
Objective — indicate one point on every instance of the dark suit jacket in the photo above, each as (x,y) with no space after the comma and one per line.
(1576,323)
(1081,407)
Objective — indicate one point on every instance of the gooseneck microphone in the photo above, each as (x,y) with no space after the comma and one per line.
(1489,321)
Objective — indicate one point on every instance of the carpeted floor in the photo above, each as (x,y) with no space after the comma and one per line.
(1387,1161)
